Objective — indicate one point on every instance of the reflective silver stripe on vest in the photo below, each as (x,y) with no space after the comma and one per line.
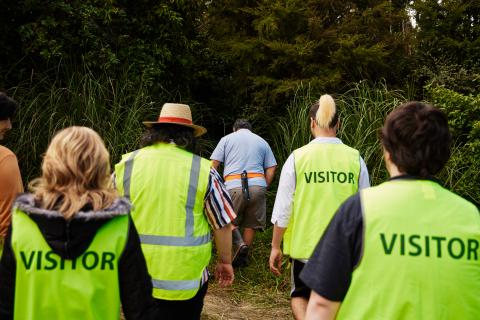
(189,240)
(127,175)
(176,284)
(175,241)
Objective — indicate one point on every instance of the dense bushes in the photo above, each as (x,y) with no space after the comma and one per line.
(363,109)
(103,63)
(155,41)
(463,170)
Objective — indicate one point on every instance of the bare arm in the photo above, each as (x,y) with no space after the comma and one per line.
(216,164)
(275,261)
(320,308)
(223,242)
(270,174)
(10,187)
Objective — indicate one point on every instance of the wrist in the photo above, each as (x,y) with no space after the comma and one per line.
(224,260)
(275,246)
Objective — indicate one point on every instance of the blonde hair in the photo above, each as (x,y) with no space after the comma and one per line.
(75,172)
(326,111)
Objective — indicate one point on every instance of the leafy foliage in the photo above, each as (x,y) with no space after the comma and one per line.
(271,47)
(156,41)
(449,28)
(462,173)
(447,46)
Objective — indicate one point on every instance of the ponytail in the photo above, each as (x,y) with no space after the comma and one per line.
(324,112)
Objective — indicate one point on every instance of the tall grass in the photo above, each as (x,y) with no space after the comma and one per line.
(362,111)
(114,107)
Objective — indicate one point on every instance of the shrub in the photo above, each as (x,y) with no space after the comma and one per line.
(462,173)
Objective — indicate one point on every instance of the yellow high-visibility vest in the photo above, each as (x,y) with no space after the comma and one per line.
(50,287)
(421,255)
(326,175)
(167,186)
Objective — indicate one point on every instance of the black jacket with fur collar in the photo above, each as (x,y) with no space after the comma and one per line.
(69,239)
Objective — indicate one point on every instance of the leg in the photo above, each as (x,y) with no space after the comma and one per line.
(299,307)
(255,214)
(300,292)
(248,236)
(182,309)
(238,206)
(240,250)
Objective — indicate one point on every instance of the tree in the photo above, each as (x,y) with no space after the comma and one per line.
(154,40)
(447,50)
(270,47)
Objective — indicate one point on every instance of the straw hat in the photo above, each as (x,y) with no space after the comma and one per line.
(175,113)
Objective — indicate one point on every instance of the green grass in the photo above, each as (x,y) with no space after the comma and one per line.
(255,283)
(362,111)
(113,107)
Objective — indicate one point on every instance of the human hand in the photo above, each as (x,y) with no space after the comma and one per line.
(224,274)
(275,261)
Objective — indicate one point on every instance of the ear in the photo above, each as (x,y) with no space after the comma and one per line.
(386,155)
(313,123)
(337,126)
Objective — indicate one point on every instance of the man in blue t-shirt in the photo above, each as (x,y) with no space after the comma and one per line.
(245,152)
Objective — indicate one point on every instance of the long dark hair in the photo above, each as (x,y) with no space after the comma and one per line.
(180,135)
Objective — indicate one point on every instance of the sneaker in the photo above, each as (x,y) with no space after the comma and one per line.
(240,259)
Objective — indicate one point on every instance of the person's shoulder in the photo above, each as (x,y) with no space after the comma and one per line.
(259,139)
(229,136)
(304,148)
(460,202)
(349,148)
(4,152)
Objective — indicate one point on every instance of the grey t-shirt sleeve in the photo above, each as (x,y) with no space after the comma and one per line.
(219,152)
(269,160)
(328,272)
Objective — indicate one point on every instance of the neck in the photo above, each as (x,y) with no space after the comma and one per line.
(393,170)
(324,133)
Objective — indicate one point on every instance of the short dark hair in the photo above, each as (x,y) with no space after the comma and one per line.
(242,124)
(418,139)
(182,136)
(312,114)
(8,106)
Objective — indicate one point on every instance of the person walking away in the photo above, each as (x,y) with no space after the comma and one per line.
(10,179)
(244,152)
(315,180)
(176,196)
(407,248)
(72,251)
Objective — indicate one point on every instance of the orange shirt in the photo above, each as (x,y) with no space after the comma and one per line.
(10,186)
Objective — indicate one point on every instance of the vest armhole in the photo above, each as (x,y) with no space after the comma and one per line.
(359,170)
(127,238)
(294,171)
(362,237)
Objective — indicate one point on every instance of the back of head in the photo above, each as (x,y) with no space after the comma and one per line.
(242,124)
(8,106)
(324,112)
(75,173)
(180,135)
(418,139)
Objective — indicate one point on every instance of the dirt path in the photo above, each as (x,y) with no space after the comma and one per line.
(220,304)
